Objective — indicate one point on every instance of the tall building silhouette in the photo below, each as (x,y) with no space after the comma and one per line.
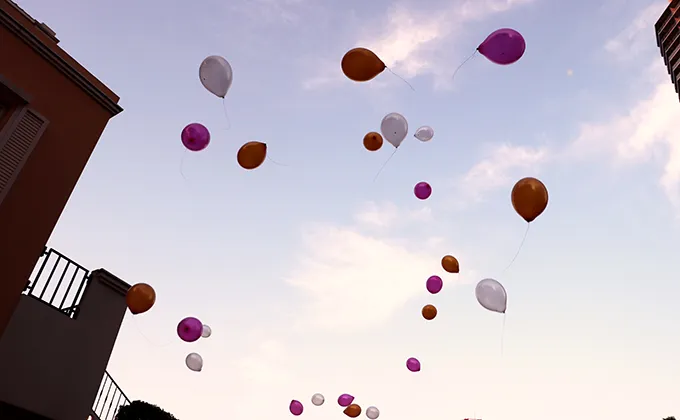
(668,39)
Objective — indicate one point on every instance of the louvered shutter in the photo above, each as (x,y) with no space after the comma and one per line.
(17,140)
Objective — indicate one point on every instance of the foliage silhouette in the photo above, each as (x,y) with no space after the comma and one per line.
(140,410)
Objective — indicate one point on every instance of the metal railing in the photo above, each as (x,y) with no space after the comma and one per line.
(109,399)
(58,281)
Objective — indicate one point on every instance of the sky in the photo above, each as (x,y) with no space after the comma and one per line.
(312,276)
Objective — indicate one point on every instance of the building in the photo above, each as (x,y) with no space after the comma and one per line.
(52,113)
(57,344)
(668,39)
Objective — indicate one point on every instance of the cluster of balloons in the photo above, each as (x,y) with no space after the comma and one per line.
(217,75)
(189,330)
(394,129)
(344,400)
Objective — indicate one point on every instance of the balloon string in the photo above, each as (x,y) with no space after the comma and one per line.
(139,330)
(275,162)
(526,232)
(402,79)
(462,64)
(226,115)
(181,166)
(385,164)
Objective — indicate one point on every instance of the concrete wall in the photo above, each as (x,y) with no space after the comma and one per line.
(78,107)
(52,365)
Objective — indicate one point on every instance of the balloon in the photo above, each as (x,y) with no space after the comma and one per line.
(216,75)
(424,133)
(352,411)
(318,399)
(345,400)
(413,364)
(251,155)
(296,408)
(361,65)
(140,298)
(529,198)
(504,46)
(434,284)
(450,264)
(194,362)
(394,128)
(206,332)
(195,137)
(422,190)
(491,295)
(373,141)
(189,329)
(429,312)
(372,413)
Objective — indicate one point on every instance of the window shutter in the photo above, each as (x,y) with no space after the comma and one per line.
(17,140)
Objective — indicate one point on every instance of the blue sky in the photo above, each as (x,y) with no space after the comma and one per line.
(312,276)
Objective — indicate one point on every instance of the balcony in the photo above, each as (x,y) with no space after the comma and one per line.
(58,343)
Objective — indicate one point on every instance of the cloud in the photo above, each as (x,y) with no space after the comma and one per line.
(270,11)
(638,36)
(353,280)
(650,131)
(388,215)
(411,39)
(502,166)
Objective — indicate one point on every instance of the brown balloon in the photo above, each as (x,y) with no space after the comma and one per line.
(429,312)
(529,198)
(362,65)
(140,298)
(251,155)
(373,141)
(450,264)
(353,411)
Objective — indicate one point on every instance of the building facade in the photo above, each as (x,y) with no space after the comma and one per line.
(668,39)
(52,113)
(58,342)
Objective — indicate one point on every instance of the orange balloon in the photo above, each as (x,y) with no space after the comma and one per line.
(251,155)
(353,411)
(450,264)
(373,141)
(361,65)
(529,198)
(140,298)
(429,312)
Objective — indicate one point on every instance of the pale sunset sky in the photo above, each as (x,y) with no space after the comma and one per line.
(312,276)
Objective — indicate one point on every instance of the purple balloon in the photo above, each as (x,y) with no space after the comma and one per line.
(504,46)
(413,364)
(190,329)
(434,284)
(345,400)
(422,190)
(195,137)
(296,408)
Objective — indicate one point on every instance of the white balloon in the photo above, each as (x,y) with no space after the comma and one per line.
(318,399)
(394,128)
(424,133)
(216,75)
(207,331)
(194,362)
(492,295)
(372,413)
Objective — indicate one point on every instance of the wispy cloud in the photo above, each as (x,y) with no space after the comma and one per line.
(502,166)
(638,36)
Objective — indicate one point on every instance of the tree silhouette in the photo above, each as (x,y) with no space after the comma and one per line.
(669,418)
(140,410)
